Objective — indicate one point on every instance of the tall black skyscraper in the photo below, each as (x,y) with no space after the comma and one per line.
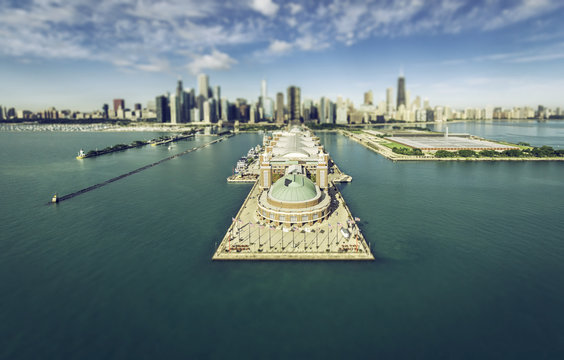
(163,109)
(401,92)
(179,101)
(294,103)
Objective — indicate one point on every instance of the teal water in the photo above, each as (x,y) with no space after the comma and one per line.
(470,259)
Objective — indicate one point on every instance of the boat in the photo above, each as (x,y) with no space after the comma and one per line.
(81,154)
(55,199)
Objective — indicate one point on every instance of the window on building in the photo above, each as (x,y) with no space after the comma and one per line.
(304,218)
(315,216)
(293,218)
(282,217)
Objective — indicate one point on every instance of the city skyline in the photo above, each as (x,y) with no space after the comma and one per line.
(456,53)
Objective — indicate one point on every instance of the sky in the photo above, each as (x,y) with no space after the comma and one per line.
(80,54)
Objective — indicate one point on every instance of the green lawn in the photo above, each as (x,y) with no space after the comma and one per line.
(392,145)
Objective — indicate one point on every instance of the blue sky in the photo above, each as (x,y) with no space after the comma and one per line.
(80,54)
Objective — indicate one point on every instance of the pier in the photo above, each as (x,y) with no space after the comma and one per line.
(249,239)
(375,141)
(301,215)
(58,199)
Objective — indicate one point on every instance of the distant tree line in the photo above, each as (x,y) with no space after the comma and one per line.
(407,151)
(540,152)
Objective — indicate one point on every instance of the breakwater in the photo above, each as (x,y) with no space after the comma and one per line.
(138,143)
(58,199)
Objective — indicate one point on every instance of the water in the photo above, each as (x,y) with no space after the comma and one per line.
(470,258)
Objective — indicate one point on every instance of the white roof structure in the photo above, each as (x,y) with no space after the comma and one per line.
(295,145)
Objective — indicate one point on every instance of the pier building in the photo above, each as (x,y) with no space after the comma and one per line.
(294,172)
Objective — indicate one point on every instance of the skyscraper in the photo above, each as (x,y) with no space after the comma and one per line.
(203,85)
(163,111)
(389,102)
(401,92)
(280,108)
(105,109)
(368,98)
(294,103)
(217,97)
(118,103)
(179,98)
(187,105)
(174,118)
(322,110)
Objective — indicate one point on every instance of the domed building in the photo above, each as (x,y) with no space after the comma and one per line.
(293,179)
(293,200)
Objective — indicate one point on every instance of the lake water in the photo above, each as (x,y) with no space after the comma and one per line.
(469,256)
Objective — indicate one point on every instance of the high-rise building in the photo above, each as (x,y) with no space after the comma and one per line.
(268,109)
(203,85)
(118,103)
(294,103)
(368,98)
(217,97)
(1,113)
(138,110)
(163,111)
(174,113)
(105,110)
(323,110)
(179,108)
(389,101)
(280,108)
(224,110)
(187,105)
(401,92)
(207,112)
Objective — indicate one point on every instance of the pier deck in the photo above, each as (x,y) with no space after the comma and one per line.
(249,239)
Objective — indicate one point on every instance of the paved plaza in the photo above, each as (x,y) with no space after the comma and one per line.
(248,238)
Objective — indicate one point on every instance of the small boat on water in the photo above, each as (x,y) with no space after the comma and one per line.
(81,154)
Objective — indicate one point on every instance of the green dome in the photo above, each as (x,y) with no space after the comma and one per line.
(293,187)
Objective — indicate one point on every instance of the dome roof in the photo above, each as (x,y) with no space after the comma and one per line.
(293,187)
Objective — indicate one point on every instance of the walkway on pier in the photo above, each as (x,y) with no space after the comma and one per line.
(99,185)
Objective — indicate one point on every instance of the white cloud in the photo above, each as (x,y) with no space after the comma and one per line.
(294,8)
(279,46)
(265,7)
(214,61)
(523,11)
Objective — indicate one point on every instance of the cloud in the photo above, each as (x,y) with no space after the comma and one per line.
(139,31)
(294,8)
(525,10)
(265,7)
(279,46)
(216,60)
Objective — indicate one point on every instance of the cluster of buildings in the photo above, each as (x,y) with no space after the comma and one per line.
(207,106)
